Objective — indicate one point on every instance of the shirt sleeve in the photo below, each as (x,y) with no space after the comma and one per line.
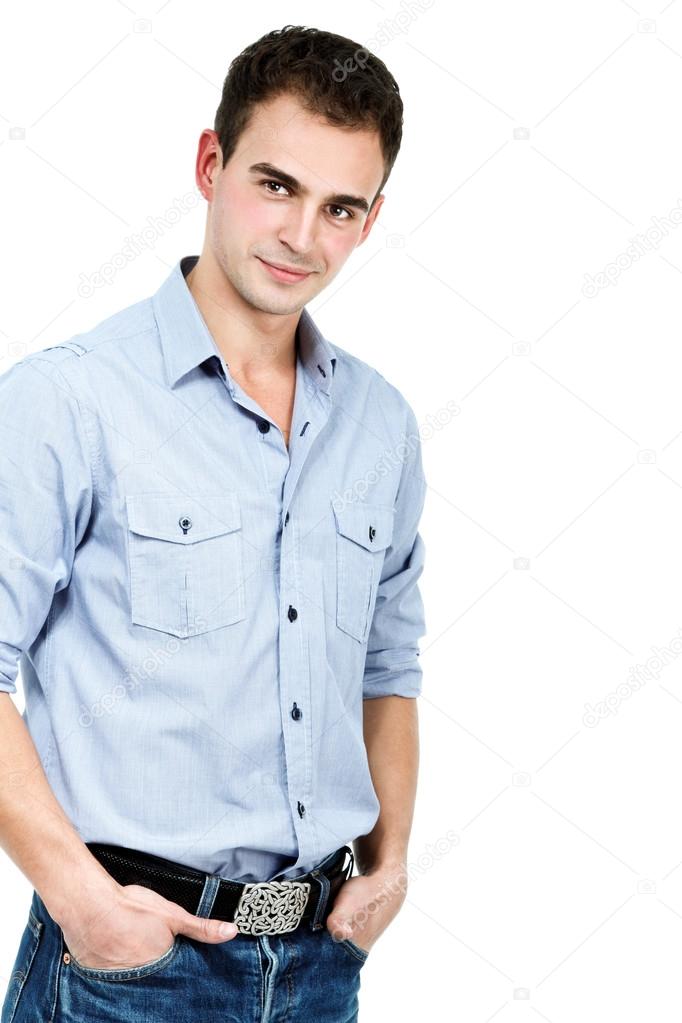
(392,665)
(45,498)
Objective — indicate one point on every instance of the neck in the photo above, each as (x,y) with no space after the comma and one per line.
(257,346)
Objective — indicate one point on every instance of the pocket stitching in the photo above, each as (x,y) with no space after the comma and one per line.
(181,566)
(354,625)
(350,947)
(354,949)
(355,526)
(35,927)
(358,562)
(130,972)
(156,526)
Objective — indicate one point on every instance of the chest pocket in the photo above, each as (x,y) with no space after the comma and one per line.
(363,532)
(186,561)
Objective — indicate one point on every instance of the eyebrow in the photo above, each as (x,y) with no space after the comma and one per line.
(287,179)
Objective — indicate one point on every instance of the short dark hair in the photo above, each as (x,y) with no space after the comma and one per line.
(329,74)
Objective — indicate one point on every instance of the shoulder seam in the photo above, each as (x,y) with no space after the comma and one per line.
(103,340)
(92,462)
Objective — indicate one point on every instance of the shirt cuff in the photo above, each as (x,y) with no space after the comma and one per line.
(400,680)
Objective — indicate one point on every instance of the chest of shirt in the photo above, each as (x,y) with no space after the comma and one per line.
(198,506)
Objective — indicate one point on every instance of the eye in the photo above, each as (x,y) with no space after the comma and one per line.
(278,184)
(349,215)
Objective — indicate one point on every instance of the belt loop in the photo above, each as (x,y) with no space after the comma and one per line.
(352,861)
(208,894)
(325,885)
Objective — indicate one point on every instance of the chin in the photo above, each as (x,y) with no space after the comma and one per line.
(278,306)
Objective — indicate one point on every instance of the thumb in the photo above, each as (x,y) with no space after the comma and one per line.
(202,928)
(339,927)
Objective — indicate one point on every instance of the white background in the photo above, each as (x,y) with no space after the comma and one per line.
(541,138)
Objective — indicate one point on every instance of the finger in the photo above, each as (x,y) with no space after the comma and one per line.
(338,928)
(202,929)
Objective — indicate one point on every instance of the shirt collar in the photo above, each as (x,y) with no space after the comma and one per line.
(186,341)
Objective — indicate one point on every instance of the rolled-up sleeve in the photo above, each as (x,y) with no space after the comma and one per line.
(392,665)
(45,498)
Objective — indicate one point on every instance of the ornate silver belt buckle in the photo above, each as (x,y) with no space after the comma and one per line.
(271,907)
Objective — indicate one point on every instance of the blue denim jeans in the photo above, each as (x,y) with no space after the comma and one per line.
(300,977)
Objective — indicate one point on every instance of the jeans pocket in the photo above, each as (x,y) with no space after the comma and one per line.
(349,948)
(28,946)
(360,953)
(162,962)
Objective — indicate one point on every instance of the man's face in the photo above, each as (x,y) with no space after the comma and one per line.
(257,218)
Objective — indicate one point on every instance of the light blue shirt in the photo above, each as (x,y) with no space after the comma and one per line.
(198,612)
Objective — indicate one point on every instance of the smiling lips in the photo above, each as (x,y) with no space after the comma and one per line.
(282,274)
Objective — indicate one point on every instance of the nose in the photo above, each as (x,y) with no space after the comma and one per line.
(298,230)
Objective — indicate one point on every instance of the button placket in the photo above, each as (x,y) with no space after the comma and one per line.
(295,683)
(294,643)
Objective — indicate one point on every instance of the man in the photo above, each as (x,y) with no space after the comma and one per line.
(210,560)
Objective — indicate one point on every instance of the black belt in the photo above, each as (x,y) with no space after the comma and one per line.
(264,907)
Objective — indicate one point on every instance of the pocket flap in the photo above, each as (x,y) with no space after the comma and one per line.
(369,525)
(182,519)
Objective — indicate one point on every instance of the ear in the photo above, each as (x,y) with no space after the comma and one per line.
(371,217)
(208,161)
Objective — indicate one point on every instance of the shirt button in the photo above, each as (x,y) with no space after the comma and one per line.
(301,809)
(263,425)
(286,518)
(296,713)
(185,523)
(292,613)
(372,532)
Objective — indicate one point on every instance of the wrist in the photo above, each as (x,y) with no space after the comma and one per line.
(87,893)
(382,849)
(388,861)
(385,868)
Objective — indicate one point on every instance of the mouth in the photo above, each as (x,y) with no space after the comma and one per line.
(281,273)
